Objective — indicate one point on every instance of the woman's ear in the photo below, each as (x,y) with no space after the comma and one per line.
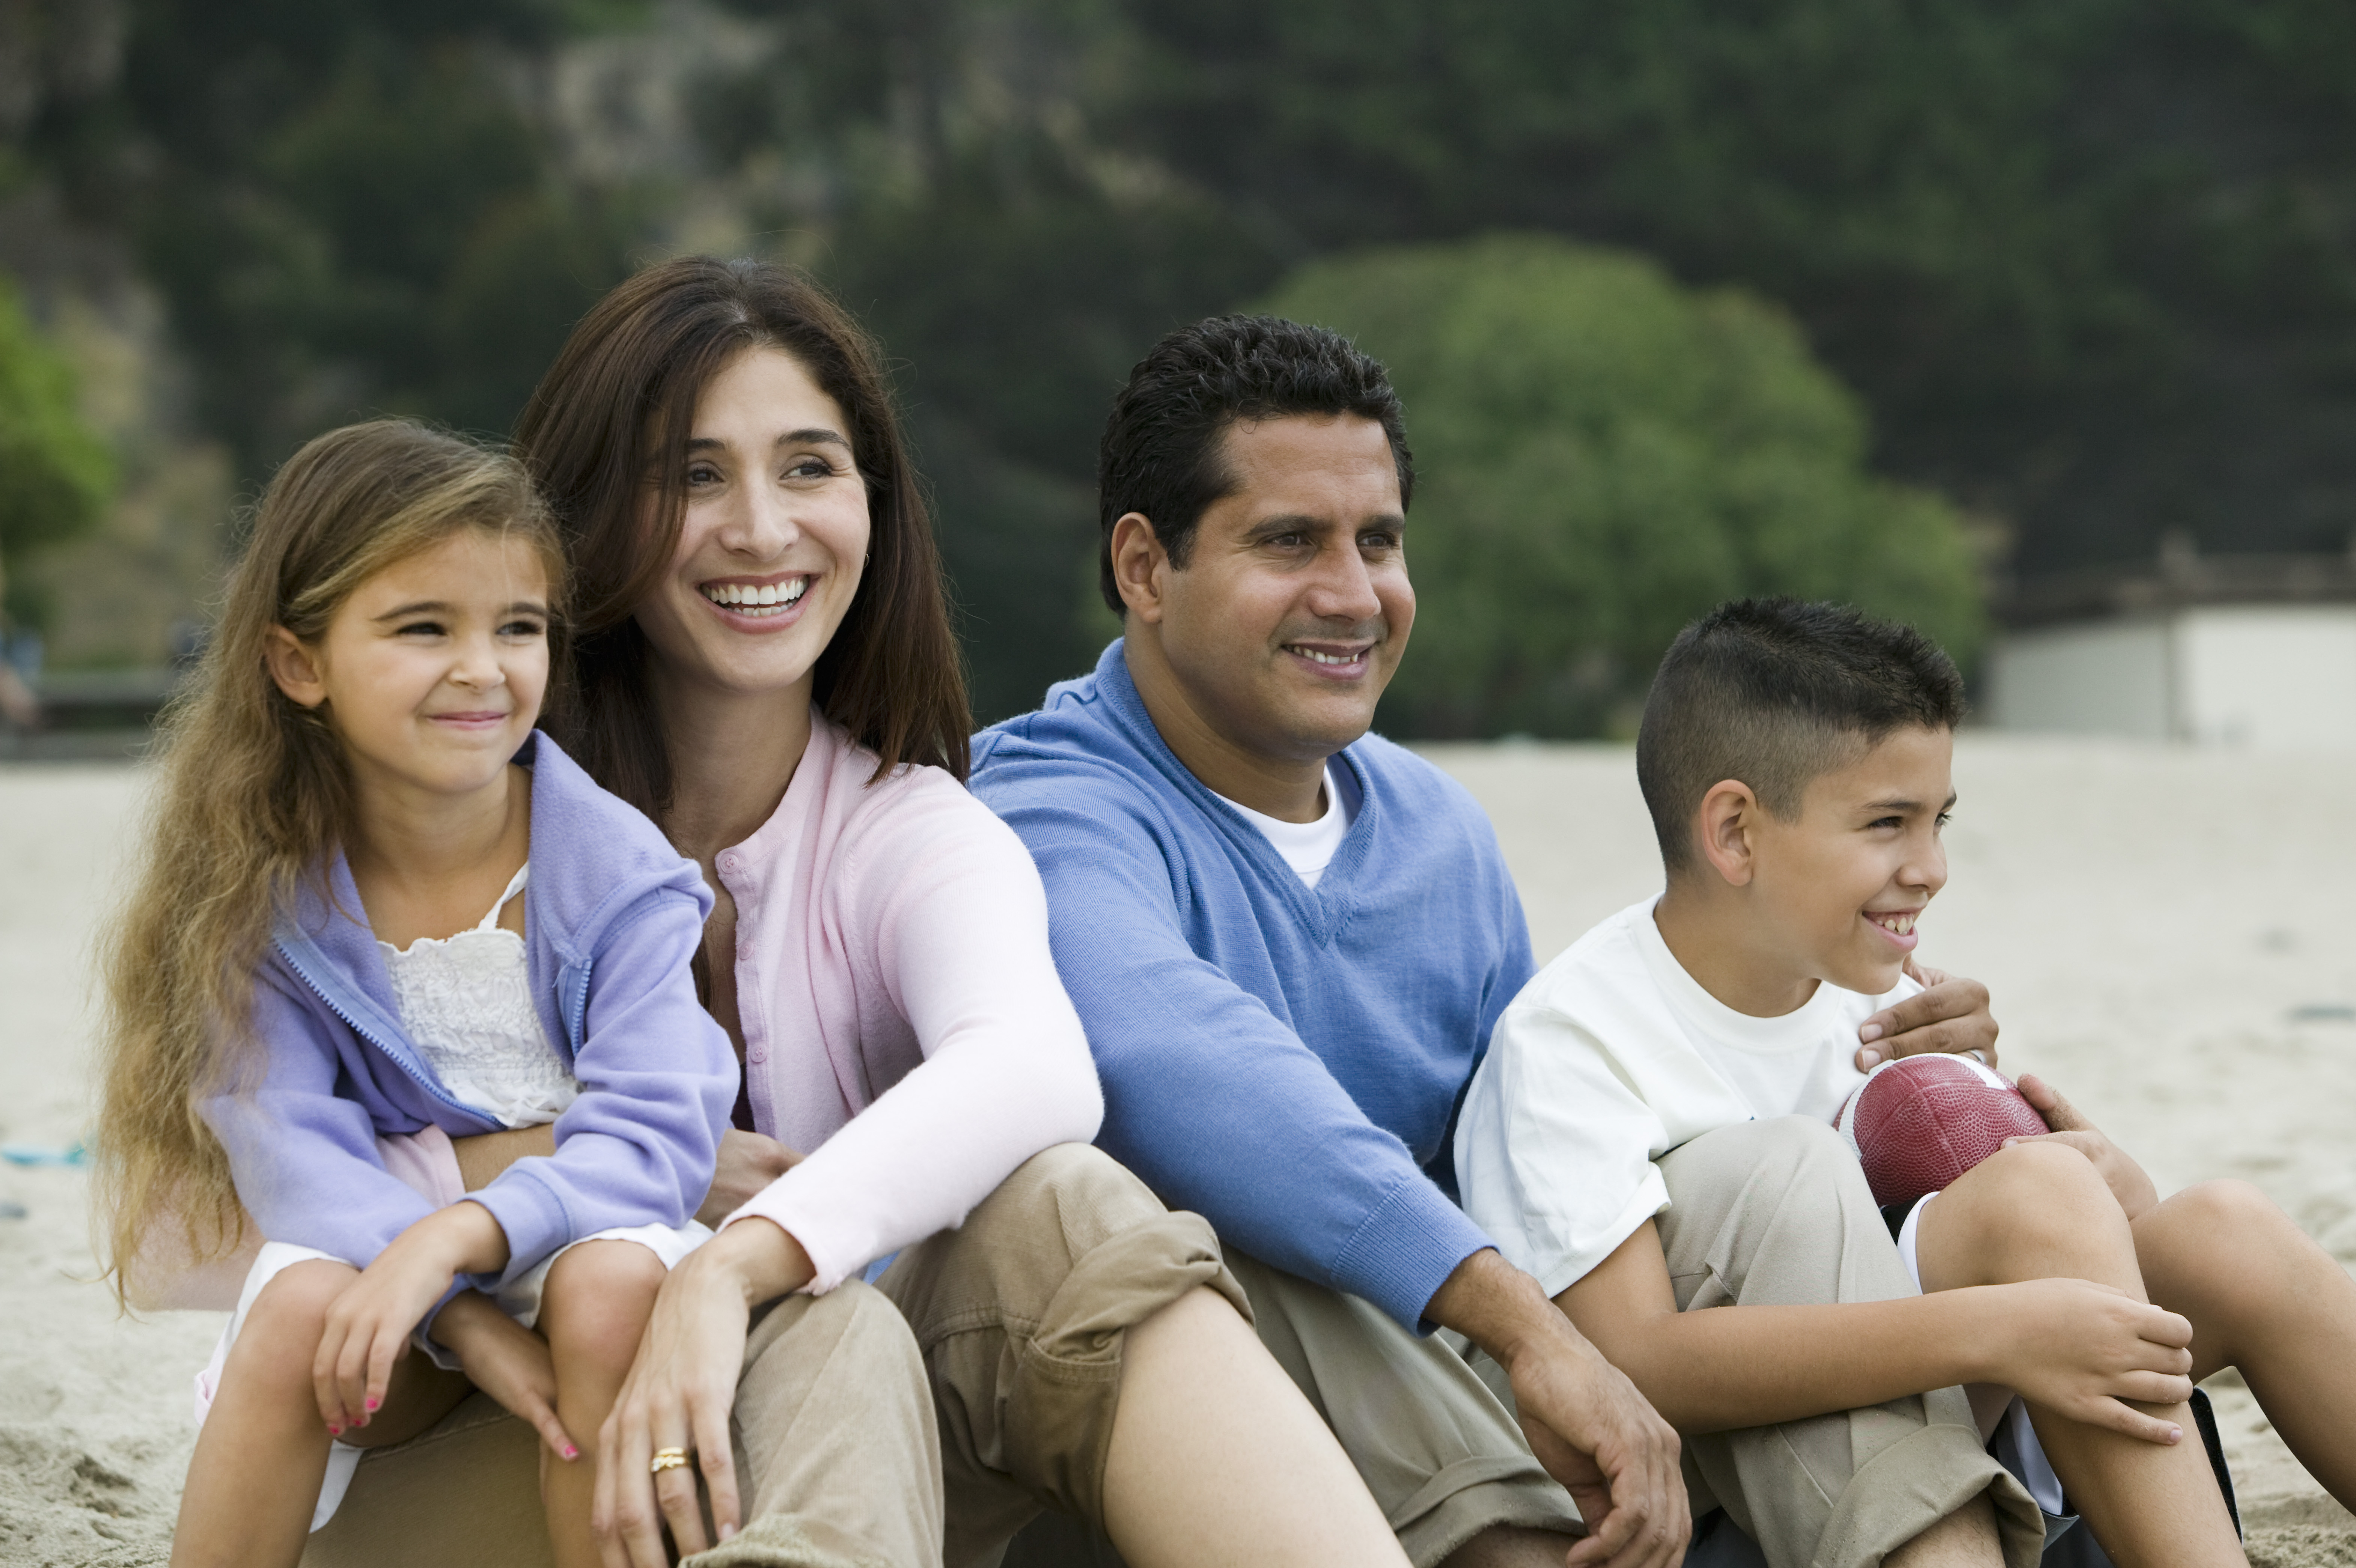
(295,668)
(1724,828)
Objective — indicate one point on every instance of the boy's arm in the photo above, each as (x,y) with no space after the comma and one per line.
(2077,1346)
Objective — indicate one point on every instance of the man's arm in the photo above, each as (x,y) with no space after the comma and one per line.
(1209,1097)
(1588,1424)
(1758,1366)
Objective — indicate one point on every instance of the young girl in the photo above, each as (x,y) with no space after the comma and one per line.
(378,910)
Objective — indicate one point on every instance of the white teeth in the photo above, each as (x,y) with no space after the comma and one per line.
(1903,925)
(1314,657)
(752,598)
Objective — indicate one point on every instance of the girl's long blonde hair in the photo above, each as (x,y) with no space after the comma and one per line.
(252,793)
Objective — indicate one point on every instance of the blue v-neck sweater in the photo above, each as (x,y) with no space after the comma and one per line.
(1284,1061)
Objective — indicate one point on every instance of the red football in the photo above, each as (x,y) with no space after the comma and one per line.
(1919,1123)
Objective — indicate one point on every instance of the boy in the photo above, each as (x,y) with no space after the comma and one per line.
(1650,1134)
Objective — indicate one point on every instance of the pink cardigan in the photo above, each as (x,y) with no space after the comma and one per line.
(903,1025)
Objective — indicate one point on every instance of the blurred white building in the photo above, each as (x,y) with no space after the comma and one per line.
(2249,650)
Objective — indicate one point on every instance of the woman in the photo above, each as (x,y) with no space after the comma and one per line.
(766,667)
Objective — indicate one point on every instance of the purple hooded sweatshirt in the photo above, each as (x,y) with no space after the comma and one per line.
(611,916)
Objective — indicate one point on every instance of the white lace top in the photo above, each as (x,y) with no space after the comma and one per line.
(467,1002)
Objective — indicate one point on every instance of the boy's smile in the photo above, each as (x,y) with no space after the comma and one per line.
(1775,906)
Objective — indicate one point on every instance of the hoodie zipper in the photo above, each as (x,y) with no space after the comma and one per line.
(357,1027)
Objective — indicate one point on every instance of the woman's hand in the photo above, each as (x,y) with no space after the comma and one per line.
(507,1361)
(748,1162)
(679,1392)
(1949,1016)
(368,1329)
(2127,1180)
(2081,1348)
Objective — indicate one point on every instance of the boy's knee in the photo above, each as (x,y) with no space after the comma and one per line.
(2226,1208)
(2047,1191)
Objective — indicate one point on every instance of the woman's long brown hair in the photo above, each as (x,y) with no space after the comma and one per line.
(250,792)
(607,431)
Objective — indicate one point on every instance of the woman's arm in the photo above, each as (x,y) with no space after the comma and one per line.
(947,913)
(1722,1368)
(680,1390)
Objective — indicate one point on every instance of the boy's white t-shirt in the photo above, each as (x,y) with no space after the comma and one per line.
(1309,847)
(1611,1057)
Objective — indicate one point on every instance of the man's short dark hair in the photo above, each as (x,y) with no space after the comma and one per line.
(1773,693)
(1162,453)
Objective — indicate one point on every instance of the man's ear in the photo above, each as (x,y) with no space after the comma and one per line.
(1139,566)
(295,668)
(1724,830)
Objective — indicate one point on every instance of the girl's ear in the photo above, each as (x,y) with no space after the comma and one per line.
(295,668)
(1723,827)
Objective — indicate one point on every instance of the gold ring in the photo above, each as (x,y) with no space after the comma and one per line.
(667,1459)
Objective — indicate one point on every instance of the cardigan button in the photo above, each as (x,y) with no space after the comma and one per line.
(757,1054)
(731,861)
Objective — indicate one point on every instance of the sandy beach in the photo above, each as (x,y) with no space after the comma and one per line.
(2162,930)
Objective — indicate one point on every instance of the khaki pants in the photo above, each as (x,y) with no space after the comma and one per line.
(1777,1213)
(1442,1458)
(917,1422)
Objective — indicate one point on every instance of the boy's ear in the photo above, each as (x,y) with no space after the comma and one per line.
(295,668)
(1723,830)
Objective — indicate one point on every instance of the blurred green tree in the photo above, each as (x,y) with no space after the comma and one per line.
(1602,455)
(349,206)
(56,475)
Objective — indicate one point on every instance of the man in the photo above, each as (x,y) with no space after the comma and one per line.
(1288,940)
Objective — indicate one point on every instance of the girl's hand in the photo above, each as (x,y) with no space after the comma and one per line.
(678,1393)
(2127,1180)
(2080,1348)
(748,1162)
(507,1361)
(368,1329)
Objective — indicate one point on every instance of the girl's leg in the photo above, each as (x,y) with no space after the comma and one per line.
(2265,1298)
(262,1451)
(593,1308)
(2041,1211)
(1216,1457)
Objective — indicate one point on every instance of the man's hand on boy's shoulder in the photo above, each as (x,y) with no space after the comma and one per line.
(2127,1180)
(1949,1016)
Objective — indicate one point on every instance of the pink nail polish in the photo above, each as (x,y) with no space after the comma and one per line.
(372,1405)
(334,1431)
(571,1452)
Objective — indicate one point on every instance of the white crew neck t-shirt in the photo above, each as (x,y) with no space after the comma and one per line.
(1309,847)
(1610,1057)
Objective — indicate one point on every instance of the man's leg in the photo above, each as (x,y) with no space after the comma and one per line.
(1088,1356)
(2041,1211)
(1446,1460)
(1777,1213)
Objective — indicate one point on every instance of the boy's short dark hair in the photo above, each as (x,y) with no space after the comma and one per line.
(1161,453)
(1773,693)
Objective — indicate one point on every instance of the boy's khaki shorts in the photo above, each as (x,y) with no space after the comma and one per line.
(1777,1213)
(917,1422)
